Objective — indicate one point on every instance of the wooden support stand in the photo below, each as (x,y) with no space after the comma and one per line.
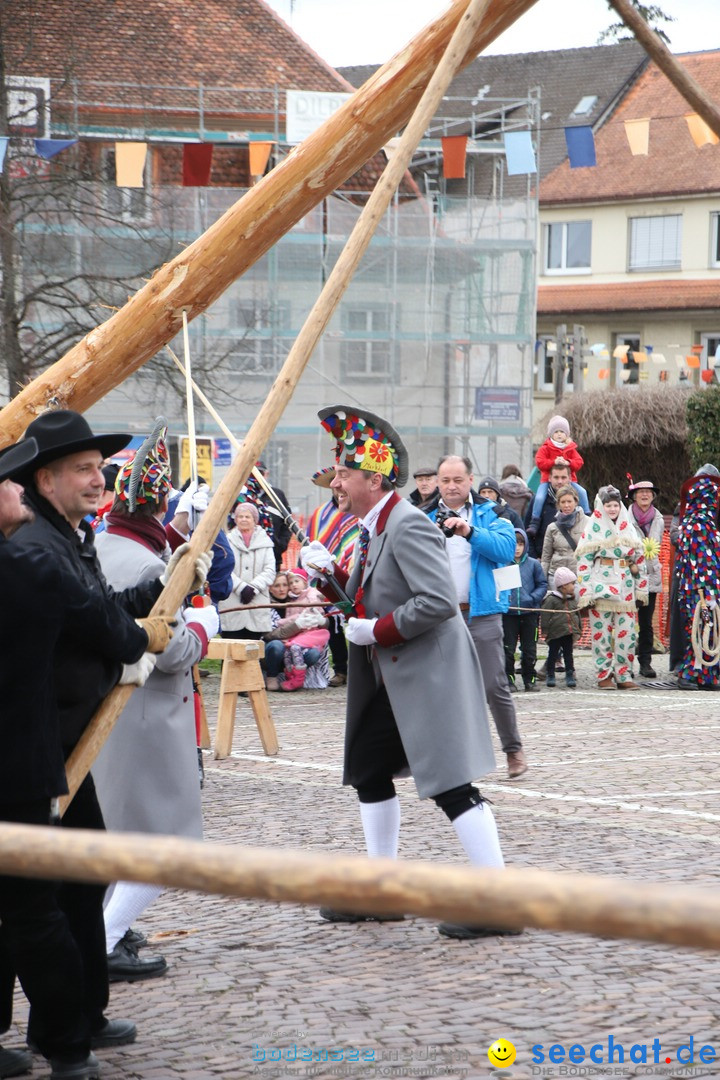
(241,671)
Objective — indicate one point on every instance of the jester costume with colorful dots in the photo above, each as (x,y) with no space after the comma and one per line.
(611,578)
(697,569)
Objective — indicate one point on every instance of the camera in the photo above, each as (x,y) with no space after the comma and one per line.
(440,519)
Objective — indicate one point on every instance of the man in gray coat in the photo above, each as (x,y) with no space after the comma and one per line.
(408,645)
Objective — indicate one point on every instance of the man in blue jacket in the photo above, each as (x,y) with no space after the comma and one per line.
(522,618)
(478,542)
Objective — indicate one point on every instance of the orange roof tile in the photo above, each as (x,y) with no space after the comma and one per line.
(673,165)
(680,294)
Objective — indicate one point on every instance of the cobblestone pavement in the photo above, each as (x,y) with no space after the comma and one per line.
(623,784)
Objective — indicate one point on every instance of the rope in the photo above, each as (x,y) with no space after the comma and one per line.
(705,634)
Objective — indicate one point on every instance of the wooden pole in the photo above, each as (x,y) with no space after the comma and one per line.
(81,760)
(203,270)
(678,75)
(579,903)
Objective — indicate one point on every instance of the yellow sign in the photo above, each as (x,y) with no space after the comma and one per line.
(204,459)
(377,457)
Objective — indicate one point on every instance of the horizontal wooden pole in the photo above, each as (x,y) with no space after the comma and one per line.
(577,903)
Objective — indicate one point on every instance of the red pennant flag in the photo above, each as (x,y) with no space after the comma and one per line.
(197,162)
(453,148)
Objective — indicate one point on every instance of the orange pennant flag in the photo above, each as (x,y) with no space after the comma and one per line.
(259,154)
(638,135)
(700,132)
(130,163)
(453,148)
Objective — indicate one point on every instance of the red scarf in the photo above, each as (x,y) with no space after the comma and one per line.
(146,531)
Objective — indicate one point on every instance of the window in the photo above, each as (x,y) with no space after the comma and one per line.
(715,239)
(366,345)
(125,204)
(655,242)
(263,337)
(567,247)
(627,370)
(711,350)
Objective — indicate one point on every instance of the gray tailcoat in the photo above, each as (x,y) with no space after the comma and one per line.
(429,664)
(146,774)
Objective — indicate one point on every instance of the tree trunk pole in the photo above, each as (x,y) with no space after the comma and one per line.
(658,51)
(81,760)
(196,277)
(609,907)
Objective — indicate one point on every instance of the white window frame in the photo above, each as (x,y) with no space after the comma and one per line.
(367,351)
(648,252)
(545,363)
(715,239)
(564,226)
(710,340)
(263,336)
(632,338)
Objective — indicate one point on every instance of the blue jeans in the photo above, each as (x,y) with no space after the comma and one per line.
(275,658)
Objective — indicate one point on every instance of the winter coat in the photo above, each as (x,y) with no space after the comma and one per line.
(606,555)
(43,600)
(557,619)
(425,654)
(254,565)
(422,502)
(146,773)
(516,494)
(556,551)
(84,674)
(656,531)
(548,453)
(533,582)
(503,510)
(492,545)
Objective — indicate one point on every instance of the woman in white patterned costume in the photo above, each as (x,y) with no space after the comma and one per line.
(611,577)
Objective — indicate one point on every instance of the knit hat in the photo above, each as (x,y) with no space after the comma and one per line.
(609,494)
(558,423)
(146,476)
(489,482)
(298,571)
(564,576)
(366,441)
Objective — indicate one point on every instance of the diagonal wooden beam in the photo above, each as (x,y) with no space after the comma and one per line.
(196,277)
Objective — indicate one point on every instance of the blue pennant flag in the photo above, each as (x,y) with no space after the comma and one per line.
(519,153)
(48,148)
(3,148)
(580,146)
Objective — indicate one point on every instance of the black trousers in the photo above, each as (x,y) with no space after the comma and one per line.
(338,645)
(555,647)
(37,943)
(377,755)
(645,629)
(524,627)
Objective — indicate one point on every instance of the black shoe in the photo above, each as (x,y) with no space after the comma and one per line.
(113,1033)
(201,768)
(647,671)
(512,688)
(134,938)
(531,688)
(331,915)
(685,684)
(73,1069)
(124,965)
(570,680)
(14,1062)
(470,933)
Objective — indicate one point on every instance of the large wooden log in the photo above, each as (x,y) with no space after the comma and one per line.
(89,746)
(579,903)
(678,75)
(201,273)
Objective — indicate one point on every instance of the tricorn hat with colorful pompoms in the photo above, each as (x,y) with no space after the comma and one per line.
(366,441)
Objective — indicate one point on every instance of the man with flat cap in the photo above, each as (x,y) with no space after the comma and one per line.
(425,477)
(63,485)
(411,657)
(41,602)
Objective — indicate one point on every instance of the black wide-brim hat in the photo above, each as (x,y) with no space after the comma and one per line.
(64,432)
(15,459)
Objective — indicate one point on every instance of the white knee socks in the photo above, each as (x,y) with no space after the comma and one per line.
(477,832)
(128,900)
(381,825)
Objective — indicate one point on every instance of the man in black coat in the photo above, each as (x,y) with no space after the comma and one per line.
(41,602)
(63,485)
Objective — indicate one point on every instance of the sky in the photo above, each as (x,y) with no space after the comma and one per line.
(348,32)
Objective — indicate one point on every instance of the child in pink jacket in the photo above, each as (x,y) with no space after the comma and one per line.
(313,623)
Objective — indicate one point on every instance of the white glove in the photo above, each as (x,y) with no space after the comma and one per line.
(309,619)
(137,674)
(361,631)
(203,562)
(193,502)
(207,617)
(317,560)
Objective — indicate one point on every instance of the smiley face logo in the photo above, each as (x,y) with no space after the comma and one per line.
(501,1053)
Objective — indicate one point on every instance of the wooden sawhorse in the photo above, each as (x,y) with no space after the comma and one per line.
(241,671)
